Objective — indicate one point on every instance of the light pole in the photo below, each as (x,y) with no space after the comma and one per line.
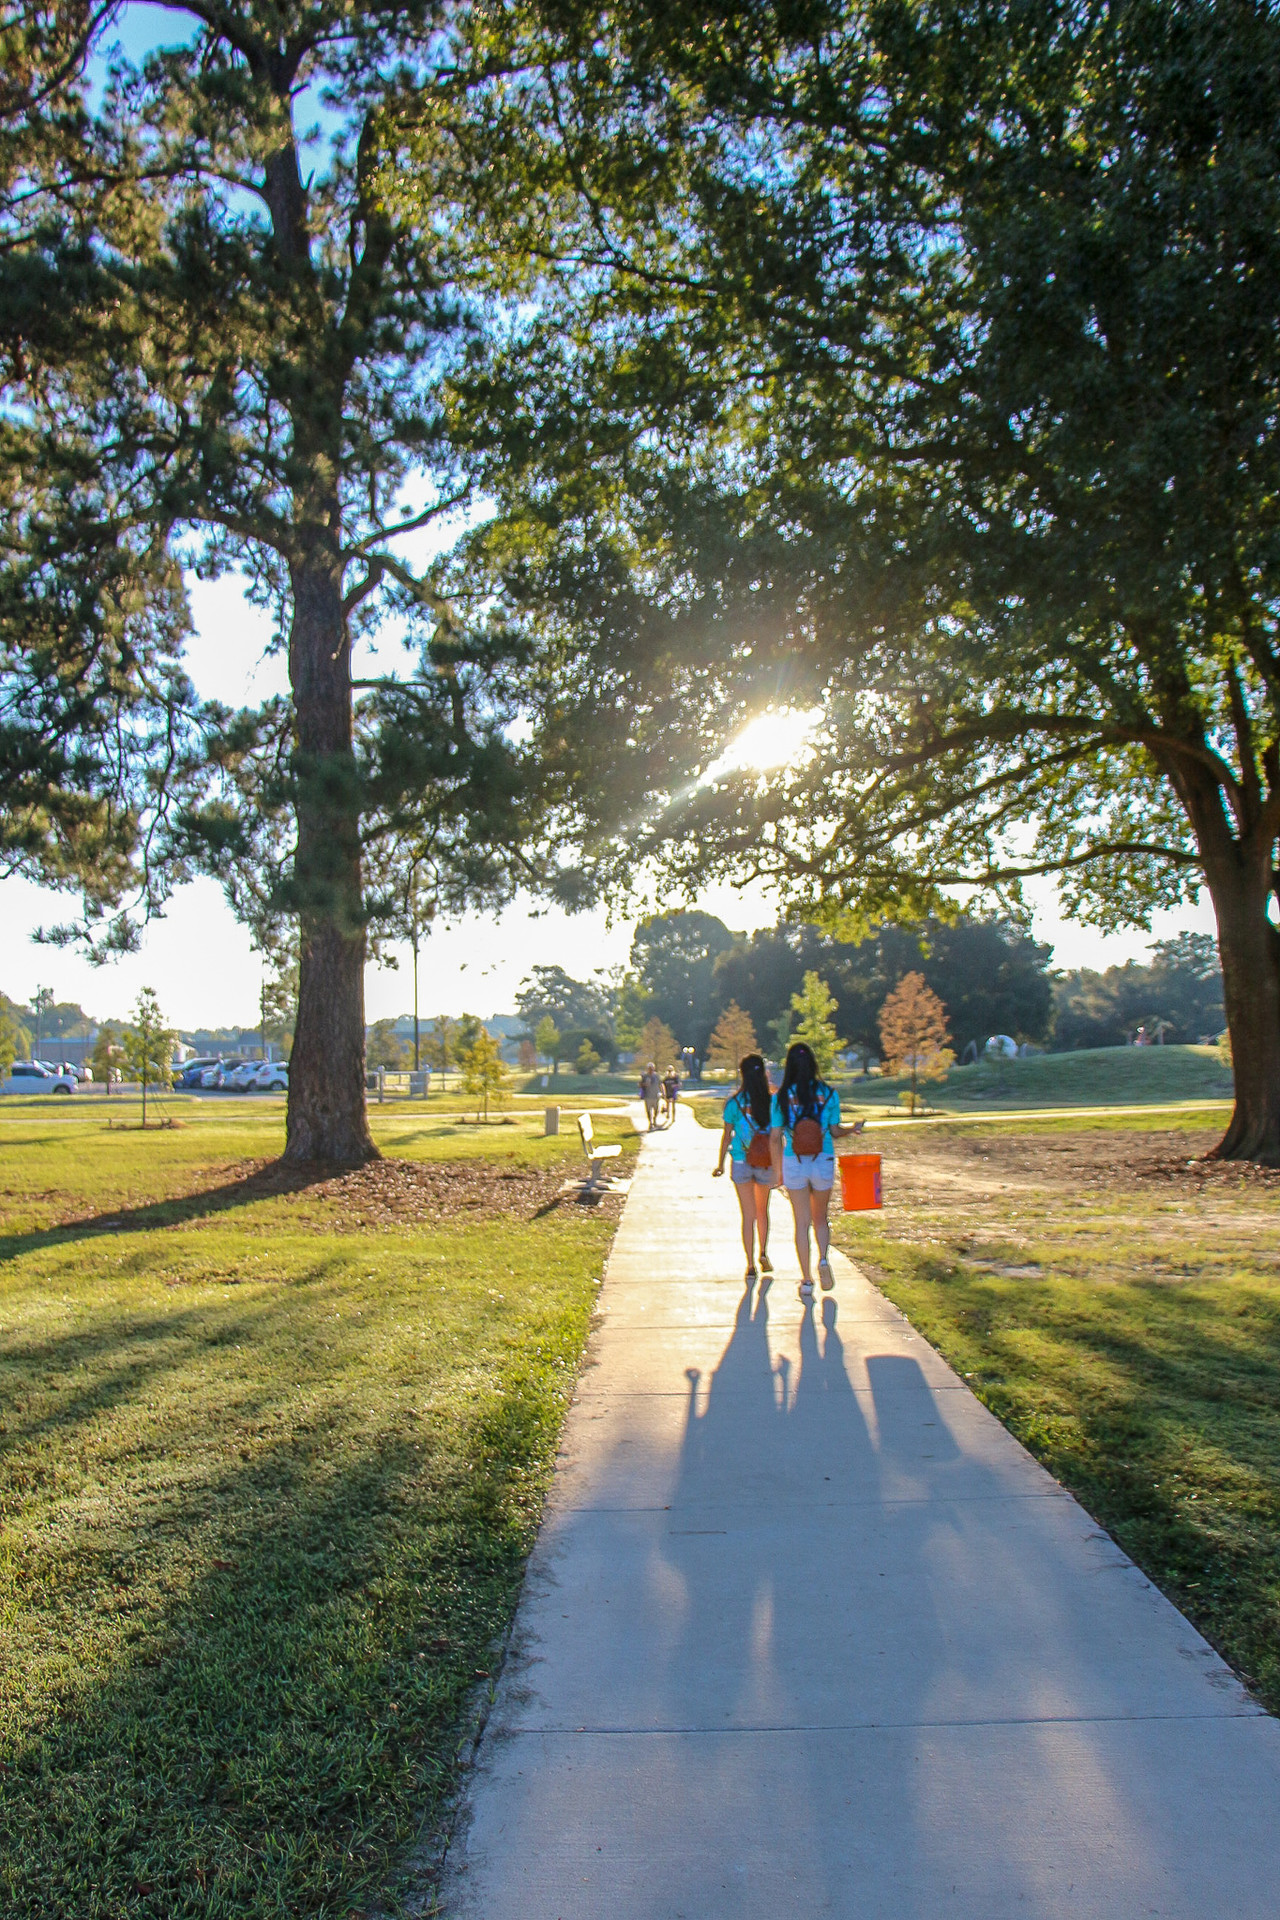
(42,1001)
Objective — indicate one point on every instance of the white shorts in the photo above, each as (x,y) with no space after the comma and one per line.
(819,1174)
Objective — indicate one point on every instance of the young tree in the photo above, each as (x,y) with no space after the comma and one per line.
(657,1043)
(813,1008)
(588,1059)
(483,1071)
(527,1054)
(913,1033)
(148,1046)
(547,1041)
(732,1037)
(107,1057)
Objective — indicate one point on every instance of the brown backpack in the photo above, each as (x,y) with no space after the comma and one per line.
(759,1152)
(806,1138)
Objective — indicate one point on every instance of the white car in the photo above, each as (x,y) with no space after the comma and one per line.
(239,1077)
(33,1076)
(272,1076)
(215,1075)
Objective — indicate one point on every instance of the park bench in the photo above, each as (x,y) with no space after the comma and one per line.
(596,1155)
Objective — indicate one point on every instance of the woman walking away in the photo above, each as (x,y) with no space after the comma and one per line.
(748,1115)
(806,1125)
(651,1093)
(670,1092)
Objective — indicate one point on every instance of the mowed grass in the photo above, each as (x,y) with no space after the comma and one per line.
(1120,1312)
(268,1477)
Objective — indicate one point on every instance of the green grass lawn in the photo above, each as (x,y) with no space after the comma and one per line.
(270,1464)
(1120,1312)
(1095,1076)
(1098,1076)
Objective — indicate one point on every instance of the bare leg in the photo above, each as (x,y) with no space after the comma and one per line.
(748,1207)
(762,1214)
(800,1198)
(821,1231)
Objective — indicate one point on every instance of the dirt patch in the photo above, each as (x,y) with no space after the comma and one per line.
(996,1161)
(399,1193)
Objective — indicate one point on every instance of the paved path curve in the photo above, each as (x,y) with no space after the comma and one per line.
(806,1632)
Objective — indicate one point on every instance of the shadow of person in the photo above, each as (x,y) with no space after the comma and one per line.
(777,1579)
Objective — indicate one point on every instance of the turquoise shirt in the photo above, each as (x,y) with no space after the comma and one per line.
(828,1114)
(737,1114)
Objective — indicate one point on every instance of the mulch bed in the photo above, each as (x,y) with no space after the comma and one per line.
(387,1193)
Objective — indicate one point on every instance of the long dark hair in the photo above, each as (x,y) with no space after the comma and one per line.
(802,1083)
(753,1093)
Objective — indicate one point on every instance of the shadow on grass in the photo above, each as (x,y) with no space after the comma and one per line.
(265,1183)
(268,1693)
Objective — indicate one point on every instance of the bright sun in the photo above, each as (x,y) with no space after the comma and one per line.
(770,740)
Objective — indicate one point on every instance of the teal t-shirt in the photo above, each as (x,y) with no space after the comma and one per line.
(737,1114)
(828,1114)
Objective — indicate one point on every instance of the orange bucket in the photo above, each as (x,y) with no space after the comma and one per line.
(860,1181)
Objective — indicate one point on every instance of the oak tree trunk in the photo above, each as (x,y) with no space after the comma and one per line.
(327,1121)
(1249,947)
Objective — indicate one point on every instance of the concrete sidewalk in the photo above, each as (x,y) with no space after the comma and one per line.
(807,1632)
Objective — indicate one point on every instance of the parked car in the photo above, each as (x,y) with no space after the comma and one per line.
(272,1076)
(34,1076)
(237,1076)
(193,1071)
(212,1076)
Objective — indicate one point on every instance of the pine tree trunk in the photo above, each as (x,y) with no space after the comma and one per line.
(327,1121)
(1249,947)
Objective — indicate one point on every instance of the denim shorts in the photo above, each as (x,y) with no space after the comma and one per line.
(743,1174)
(819,1173)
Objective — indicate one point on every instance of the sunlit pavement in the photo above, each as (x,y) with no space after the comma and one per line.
(807,1632)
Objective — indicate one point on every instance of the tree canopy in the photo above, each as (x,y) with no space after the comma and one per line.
(916,366)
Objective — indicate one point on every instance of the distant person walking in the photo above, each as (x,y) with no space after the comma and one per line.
(748,1116)
(806,1126)
(670,1092)
(651,1093)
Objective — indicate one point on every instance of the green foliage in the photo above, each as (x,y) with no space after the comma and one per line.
(547,1040)
(673,956)
(632,1007)
(587,1059)
(10,1044)
(549,993)
(385,1048)
(813,1008)
(928,424)
(17,1019)
(1181,988)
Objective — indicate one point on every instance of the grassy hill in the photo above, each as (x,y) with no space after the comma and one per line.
(1095,1076)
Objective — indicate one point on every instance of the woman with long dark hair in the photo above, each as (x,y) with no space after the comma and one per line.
(748,1116)
(806,1126)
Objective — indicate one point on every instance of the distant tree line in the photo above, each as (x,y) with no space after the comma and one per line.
(688,969)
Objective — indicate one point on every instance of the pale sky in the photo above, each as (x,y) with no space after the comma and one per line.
(199,961)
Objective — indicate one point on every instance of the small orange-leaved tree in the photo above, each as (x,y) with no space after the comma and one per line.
(913,1033)
(734,1035)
